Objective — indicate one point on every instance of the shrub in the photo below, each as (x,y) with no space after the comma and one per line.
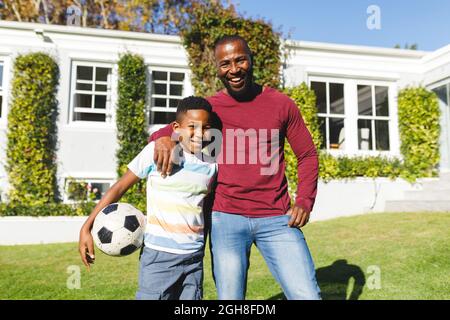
(31,146)
(131,121)
(48,209)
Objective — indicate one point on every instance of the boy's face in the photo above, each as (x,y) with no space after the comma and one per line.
(192,128)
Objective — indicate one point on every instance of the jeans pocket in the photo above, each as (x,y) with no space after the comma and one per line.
(149,256)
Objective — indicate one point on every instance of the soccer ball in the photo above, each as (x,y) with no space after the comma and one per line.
(119,229)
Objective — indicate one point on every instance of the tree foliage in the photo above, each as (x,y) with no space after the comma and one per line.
(156,16)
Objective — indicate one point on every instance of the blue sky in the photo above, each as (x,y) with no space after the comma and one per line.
(426,23)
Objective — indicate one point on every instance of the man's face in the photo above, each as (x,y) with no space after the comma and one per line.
(234,68)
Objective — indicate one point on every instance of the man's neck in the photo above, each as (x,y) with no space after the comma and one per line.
(253,92)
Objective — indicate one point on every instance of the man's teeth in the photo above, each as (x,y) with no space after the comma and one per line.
(235,79)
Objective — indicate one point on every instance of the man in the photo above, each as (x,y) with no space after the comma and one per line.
(252,203)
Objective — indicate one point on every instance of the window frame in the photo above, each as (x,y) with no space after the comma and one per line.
(328,113)
(351,113)
(168,82)
(2,89)
(372,118)
(109,110)
(86,180)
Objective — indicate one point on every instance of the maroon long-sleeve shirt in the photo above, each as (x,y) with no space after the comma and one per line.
(256,188)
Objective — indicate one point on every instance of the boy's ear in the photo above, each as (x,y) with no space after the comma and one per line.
(175,126)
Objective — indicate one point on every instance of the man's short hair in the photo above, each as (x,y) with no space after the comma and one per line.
(231,38)
(192,103)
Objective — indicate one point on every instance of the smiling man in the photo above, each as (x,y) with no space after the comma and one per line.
(251,205)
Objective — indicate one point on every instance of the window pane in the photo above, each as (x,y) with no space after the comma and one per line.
(176,90)
(98,189)
(1,75)
(365,100)
(442,94)
(337,98)
(364,135)
(321,96)
(83,100)
(382,101)
(337,137)
(80,116)
(382,134)
(173,103)
(100,102)
(162,117)
(323,132)
(159,75)
(84,86)
(101,74)
(158,102)
(159,88)
(1,102)
(176,76)
(84,73)
(101,88)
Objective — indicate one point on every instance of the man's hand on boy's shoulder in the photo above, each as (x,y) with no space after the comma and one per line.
(299,217)
(164,155)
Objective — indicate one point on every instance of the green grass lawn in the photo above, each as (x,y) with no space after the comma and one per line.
(410,252)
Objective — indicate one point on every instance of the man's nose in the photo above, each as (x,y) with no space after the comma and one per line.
(234,68)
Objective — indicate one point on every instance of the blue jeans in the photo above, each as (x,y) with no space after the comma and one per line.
(283,248)
(168,276)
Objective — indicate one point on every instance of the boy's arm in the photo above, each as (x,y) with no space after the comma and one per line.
(86,244)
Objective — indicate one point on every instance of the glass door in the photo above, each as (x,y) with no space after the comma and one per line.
(443,93)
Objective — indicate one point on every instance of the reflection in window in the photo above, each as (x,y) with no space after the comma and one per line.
(373,118)
(331,109)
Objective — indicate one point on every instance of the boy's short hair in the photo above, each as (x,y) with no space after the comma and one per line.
(192,103)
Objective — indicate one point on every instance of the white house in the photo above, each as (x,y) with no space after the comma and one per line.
(356,88)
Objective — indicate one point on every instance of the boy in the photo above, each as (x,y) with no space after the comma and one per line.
(171,265)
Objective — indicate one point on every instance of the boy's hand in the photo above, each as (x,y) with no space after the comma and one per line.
(86,247)
(164,154)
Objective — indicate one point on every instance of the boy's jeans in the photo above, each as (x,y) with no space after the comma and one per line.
(284,249)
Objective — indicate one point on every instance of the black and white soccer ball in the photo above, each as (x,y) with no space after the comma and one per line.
(119,229)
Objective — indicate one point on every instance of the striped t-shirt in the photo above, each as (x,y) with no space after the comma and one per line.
(174,204)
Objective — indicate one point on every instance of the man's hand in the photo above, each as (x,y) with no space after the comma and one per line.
(164,155)
(299,217)
(86,247)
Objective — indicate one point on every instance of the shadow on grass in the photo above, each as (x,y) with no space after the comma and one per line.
(338,281)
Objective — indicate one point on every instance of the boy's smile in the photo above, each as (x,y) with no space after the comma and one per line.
(192,128)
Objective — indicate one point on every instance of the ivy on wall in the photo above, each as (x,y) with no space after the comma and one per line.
(418,117)
(31,146)
(131,121)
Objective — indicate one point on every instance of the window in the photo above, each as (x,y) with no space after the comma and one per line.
(373,117)
(82,190)
(1,89)
(167,91)
(92,91)
(331,113)
(443,94)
